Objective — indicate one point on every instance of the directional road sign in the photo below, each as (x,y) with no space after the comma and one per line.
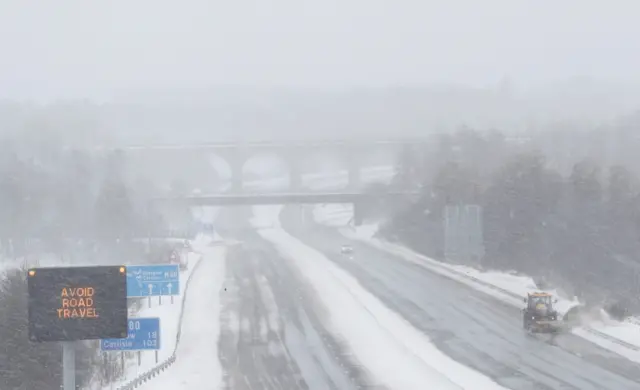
(144,334)
(77,303)
(153,280)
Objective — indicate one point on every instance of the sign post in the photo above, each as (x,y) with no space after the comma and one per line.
(68,304)
(68,365)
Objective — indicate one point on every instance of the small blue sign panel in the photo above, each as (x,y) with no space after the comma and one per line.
(153,280)
(143,334)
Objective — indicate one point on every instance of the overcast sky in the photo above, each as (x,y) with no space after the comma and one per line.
(91,48)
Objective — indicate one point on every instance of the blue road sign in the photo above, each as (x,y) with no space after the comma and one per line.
(153,280)
(143,334)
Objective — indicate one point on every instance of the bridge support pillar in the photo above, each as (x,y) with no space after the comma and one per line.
(236,160)
(302,213)
(295,180)
(236,181)
(358,217)
(293,159)
(353,169)
(295,175)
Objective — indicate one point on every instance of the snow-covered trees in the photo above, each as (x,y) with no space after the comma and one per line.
(579,226)
(77,207)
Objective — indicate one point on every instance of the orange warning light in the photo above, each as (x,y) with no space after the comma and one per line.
(32,272)
(122,270)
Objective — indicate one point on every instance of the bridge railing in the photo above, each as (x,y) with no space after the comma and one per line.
(291,143)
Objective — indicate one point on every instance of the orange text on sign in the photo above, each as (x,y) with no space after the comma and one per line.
(77,302)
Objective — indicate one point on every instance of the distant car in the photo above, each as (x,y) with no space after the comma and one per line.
(346,250)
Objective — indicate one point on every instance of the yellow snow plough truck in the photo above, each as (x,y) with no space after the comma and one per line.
(539,316)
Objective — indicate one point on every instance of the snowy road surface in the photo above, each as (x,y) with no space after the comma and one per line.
(270,333)
(473,328)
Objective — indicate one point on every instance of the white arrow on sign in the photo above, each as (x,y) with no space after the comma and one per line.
(169,287)
(150,289)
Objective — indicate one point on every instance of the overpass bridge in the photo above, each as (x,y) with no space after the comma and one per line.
(357,199)
(272,144)
(173,160)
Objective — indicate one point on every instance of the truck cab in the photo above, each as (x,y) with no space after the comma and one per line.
(539,313)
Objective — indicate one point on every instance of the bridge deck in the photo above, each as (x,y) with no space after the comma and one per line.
(308,143)
(281,198)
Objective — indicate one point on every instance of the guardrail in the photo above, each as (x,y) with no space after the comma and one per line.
(155,371)
(511,295)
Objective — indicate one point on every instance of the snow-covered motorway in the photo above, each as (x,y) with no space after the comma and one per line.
(252,323)
(471,327)
(270,336)
(282,318)
(270,315)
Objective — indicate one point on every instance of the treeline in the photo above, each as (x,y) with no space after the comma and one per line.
(578,230)
(69,207)
(57,197)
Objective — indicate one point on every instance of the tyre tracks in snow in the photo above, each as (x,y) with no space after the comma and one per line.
(271,333)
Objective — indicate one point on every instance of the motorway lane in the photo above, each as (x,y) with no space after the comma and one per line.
(271,336)
(471,327)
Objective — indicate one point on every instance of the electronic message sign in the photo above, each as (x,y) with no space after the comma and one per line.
(77,303)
